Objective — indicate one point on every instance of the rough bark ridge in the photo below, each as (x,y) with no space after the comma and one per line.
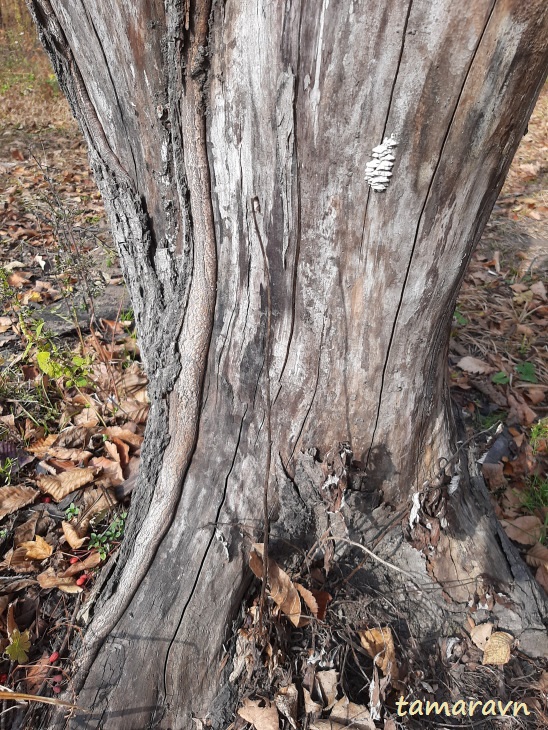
(288,100)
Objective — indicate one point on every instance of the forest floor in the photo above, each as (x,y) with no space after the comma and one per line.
(73,398)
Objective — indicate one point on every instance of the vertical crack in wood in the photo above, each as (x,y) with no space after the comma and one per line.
(417,231)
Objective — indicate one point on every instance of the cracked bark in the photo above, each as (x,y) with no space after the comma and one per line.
(291,99)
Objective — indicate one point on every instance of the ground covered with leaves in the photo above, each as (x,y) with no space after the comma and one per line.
(73,406)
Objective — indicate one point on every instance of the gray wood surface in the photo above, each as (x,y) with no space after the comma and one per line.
(296,95)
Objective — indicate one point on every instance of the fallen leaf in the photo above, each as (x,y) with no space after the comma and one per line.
(13,498)
(287,700)
(497,649)
(541,577)
(537,556)
(379,644)
(311,707)
(37,549)
(262,718)
(133,439)
(41,447)
(520,411)
(322,599)
(475,365)
(37,674)
(26,531)
(349,714)
(308,598)
(493,475)
(328,681)
(480,634)
(92,561)
(525,530)
(71,536)
(48,579)
(65,483)
(281,587)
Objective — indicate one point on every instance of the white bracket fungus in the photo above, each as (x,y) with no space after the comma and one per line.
(378,170)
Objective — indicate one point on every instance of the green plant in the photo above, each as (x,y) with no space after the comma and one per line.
(106,540)
(71,511)
(526,371)
(536,494)
(500,378)
(4,532)
(73,369)
(539,433)
(459,317)
(6,470)
(490,419)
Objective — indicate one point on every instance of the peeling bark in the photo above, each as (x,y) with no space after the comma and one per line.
(194,111)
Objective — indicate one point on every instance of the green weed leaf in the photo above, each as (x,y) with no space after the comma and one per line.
(19,646)
(527,372)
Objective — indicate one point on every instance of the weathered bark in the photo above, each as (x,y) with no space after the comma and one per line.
(212,127)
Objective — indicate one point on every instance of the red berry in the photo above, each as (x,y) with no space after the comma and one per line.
(58,678)
(81,580)
(3,678)
(54,657)
(56,689)
(74,560)
(47,500)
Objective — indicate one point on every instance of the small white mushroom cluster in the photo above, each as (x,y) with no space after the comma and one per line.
(379,170)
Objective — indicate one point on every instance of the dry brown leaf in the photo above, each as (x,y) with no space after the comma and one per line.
(135,410)
(287,700)
(281,587)
(308,598)
(71,536)
(12,585)
(311,707)
(80,456)
(133,439)
(37,549)
(541,577)
(75,437)
(539,290)
(520,411)
(322,599)
(349,714)
(537,556)
(262,718)
(480,634)
(111,471)
(48,579)
(95,501)
(26,531)
(326,725)
(13,498)
(536,395)
(328,681)
(497,649)
(16,560)
(379,644)
(65,483)
(474,365)
(525,530)
(92,561)
(37,674)
(87,418)
(40,448)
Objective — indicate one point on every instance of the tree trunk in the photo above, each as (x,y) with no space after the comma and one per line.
(217,130)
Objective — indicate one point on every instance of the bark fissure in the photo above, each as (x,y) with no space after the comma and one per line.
(420,221)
